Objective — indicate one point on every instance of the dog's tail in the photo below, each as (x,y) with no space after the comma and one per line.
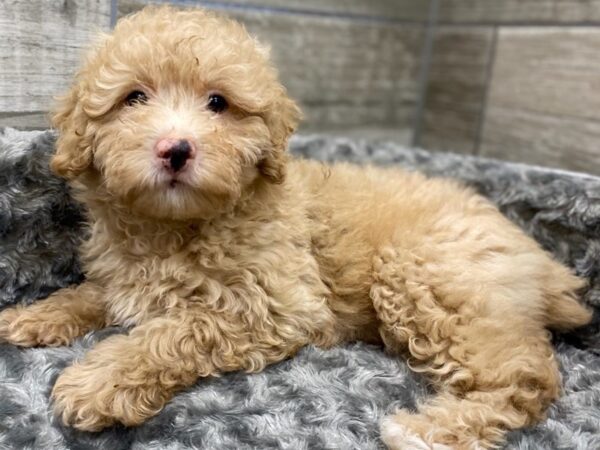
(563,310)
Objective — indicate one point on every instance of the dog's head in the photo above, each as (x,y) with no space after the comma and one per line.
(174,115)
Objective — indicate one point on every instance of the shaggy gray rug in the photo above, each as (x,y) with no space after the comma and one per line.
(319,399)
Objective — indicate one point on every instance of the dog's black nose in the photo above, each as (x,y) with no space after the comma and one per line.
(175,153)
(180,153)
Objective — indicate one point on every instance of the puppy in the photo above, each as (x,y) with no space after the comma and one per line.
(222,254)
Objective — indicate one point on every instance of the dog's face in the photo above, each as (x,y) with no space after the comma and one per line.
(174,115)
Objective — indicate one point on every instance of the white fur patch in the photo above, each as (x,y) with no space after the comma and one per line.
(399,437)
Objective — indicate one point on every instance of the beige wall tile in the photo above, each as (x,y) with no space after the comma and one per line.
(456,88)
(544,98)
(548,70)
(40,47)
(541,139)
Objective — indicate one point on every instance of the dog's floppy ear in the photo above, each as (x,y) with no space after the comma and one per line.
(282,121)
(73,151)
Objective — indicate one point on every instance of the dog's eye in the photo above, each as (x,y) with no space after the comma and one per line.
(217,103)
(136,97)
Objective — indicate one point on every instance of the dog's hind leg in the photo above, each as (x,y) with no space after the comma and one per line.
(492,374)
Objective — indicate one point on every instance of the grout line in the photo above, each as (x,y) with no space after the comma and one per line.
(113,13)
(216,5)
(425,66)
(5,114)
(522,24)
(488,83)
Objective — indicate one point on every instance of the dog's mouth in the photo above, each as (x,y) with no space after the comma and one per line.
(176,185)
(175,182)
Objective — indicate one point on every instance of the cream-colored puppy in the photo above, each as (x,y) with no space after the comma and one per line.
(223,255)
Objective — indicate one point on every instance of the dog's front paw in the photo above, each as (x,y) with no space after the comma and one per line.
(78,399)
(93,398)
(28,327)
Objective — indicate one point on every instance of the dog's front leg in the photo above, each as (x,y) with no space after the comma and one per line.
(129,378)
(57,320)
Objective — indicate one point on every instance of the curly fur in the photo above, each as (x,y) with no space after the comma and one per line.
(239,266)
(318,399)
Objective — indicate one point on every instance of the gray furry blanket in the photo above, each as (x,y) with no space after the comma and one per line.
(320,399)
